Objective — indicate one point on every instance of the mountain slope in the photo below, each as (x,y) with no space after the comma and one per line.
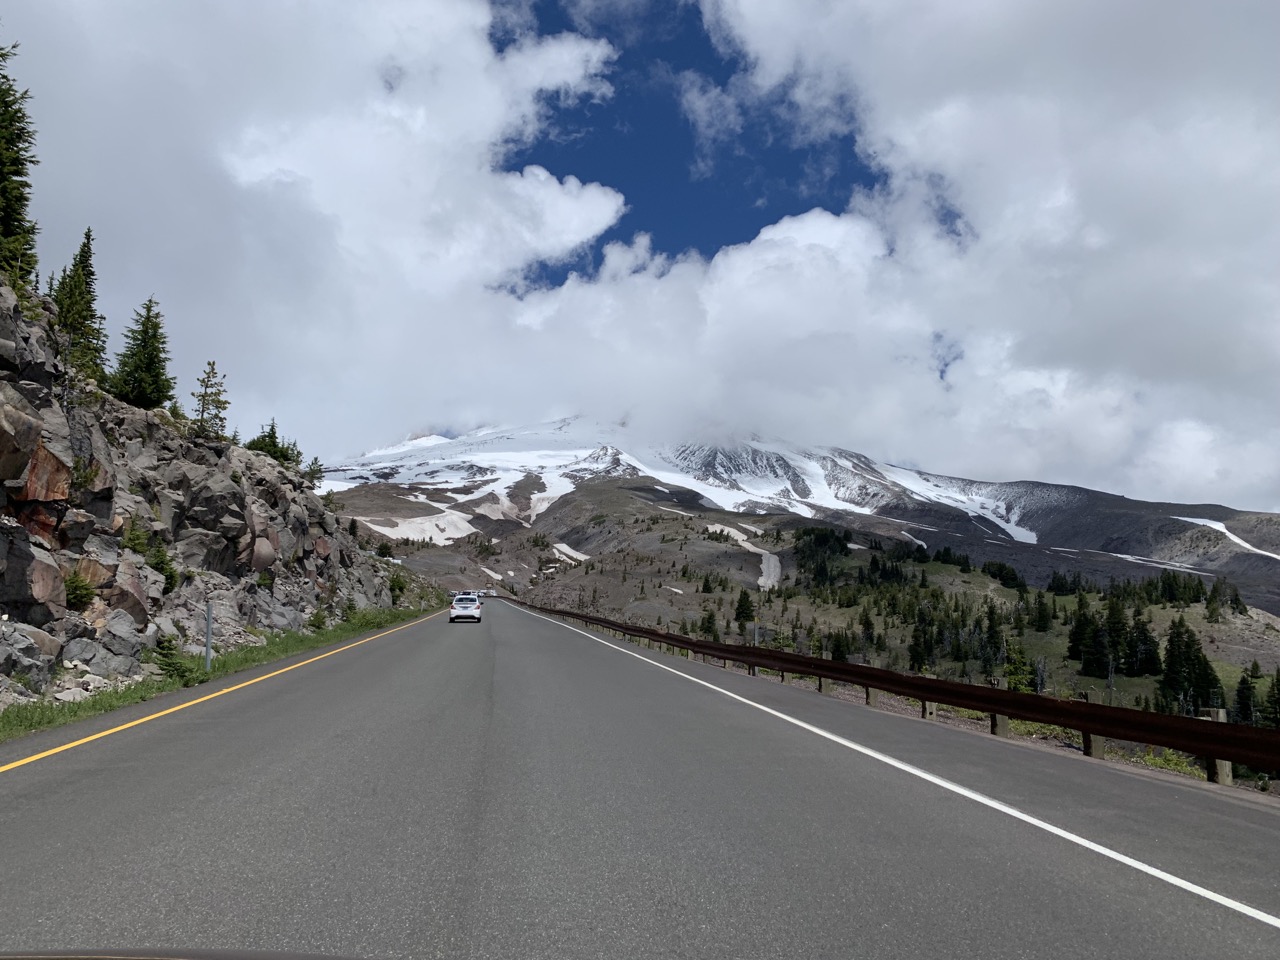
(498,480)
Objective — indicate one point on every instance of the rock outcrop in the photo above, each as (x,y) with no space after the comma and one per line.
(156,523)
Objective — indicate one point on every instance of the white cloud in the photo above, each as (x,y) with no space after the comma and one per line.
(315,194)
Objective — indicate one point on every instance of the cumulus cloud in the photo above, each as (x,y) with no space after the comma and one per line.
(1067,272)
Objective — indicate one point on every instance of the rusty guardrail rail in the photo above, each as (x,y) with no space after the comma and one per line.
(1219,743)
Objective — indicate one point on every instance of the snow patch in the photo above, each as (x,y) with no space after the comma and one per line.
(569,552)
(1222,528)
(496,576)
(335,486)
(672,510)
(673,589)
(663,489)
(756,530)
(770,566)
(443,527)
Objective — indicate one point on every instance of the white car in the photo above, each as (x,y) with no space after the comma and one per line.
(465,606)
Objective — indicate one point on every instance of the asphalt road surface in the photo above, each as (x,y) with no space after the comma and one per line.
(516,789)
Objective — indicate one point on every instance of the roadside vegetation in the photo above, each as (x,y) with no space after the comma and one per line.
(186,670)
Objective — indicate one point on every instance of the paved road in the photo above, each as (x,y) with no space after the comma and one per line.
(518,790)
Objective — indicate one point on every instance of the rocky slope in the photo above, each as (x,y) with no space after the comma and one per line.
(101,495)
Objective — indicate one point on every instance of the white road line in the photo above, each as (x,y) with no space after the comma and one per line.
(956,788)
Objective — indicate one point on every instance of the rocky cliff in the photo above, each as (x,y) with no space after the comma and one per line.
(116,528)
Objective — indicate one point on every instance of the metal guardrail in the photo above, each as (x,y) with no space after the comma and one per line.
(1256,747)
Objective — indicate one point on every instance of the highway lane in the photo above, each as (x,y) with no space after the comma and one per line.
(515,789)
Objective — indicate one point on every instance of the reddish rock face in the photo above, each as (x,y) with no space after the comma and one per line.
(323,548)
(48,478)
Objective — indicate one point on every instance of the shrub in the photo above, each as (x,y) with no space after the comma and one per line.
(158,560)
(80,592)
(384,548)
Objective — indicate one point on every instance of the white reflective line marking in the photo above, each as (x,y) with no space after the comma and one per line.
(956,788)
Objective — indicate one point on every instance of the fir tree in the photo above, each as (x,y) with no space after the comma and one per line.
(141,376)
(17,157)
(1041,617)
(1271,702)
(745,610)
(269,441)
(1144,649)
(211,400)
(1244,699)
(1189,682)
(76,297)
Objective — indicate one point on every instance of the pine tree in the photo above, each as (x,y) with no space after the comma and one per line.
(17,157)
(211,400)
(76,298)
(1041,617)
(1271,702)
(1189,682)
(270,442)
(1244,699)
(745,610)
(1144,649)
(141,376)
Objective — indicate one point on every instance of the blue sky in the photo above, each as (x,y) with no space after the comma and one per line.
(640,141)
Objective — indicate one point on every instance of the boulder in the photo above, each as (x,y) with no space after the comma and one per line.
(113,665)
(74,695)
(76,527)
(204,550)
(129,592)
(264,554)
(48,645)
(99,573)
(119,635)
(82,650)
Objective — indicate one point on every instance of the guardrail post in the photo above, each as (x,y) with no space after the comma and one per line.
(824,685)
(1093,746)
(999,722)
(1218,771)
(928,708)
(873,697)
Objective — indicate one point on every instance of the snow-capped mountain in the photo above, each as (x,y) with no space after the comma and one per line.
(487,467)
(443,489)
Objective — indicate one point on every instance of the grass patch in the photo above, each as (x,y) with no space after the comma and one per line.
(1164,759)
(185,670)
(24,718)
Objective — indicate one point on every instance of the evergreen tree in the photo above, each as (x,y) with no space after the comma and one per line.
(1271,702)
(211,400)
(1189,682)
(75,295)
(1041,617)
(283,451)
(17,157)
(1082,627)
(1244,699)
(706,584)
(745,610)
(1117,625)
(141,376)
(313,473)
(1144,649)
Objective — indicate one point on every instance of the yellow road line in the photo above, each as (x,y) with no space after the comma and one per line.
(191,703)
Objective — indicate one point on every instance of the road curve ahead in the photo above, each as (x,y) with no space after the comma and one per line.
(517,789)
